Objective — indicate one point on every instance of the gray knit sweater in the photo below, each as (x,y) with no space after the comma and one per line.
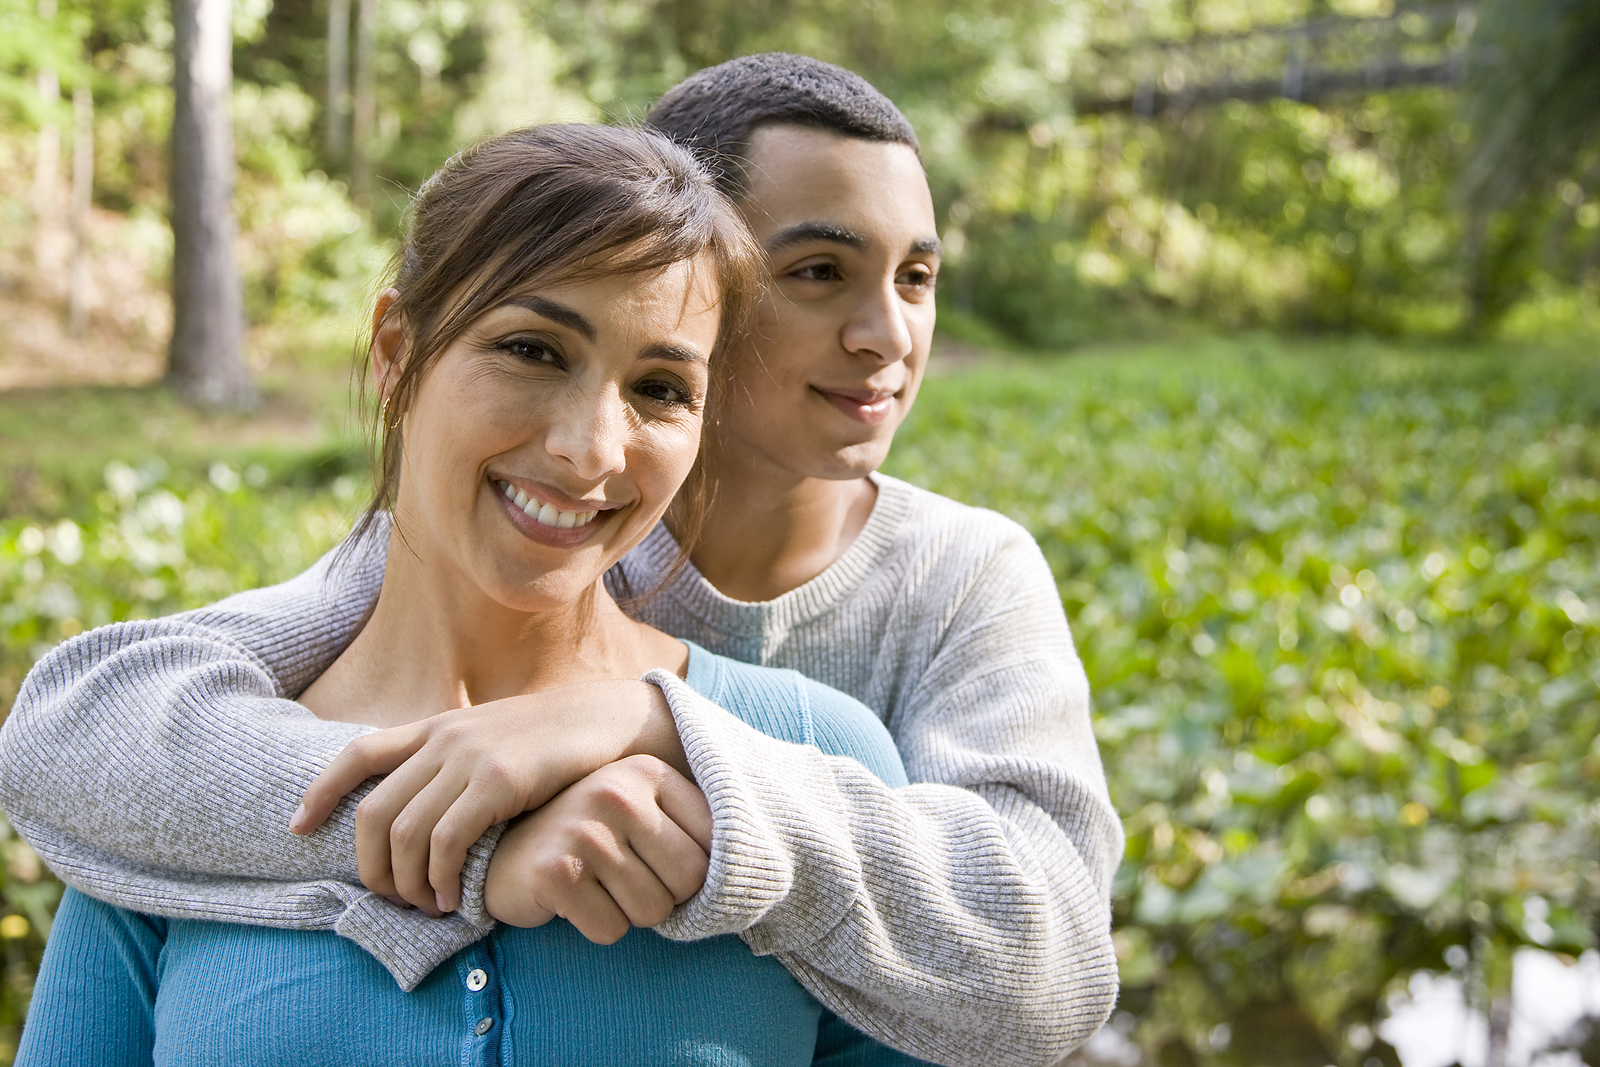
(964,919)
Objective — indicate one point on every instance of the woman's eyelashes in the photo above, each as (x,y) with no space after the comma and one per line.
(668,392)
(531,350)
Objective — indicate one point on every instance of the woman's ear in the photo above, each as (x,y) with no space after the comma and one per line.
(388,345)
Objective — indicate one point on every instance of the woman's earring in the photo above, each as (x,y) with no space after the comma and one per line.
(383,413)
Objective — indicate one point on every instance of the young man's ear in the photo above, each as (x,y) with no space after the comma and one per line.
(388,346)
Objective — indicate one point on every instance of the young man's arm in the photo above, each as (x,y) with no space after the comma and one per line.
(156,765)
(966,918)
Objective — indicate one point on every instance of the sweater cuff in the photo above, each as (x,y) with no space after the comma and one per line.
(407,942)
(475,875)
(752,877)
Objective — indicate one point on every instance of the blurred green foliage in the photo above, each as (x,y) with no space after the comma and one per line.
(1365,212)
(1340,611)
(1339,604)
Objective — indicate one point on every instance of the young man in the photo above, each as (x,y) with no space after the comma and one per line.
(964,919)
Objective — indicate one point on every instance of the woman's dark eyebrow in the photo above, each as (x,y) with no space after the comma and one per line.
(674,353)
(802,232)
(555,313)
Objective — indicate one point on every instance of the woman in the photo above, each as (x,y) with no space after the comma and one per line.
(543,359)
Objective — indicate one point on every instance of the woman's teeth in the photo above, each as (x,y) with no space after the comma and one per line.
(544,514)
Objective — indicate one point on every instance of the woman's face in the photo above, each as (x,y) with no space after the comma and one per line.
(548,438)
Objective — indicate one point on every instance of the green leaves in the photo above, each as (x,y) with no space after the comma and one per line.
(1338,607)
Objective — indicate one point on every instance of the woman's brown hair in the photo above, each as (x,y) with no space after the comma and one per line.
(561,201)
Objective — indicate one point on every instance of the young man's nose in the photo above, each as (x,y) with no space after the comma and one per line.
(590,434)
(878,326)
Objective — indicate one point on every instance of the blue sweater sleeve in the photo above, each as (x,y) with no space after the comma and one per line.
(94,1001)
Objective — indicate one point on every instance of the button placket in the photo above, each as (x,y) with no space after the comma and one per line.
(482,1003)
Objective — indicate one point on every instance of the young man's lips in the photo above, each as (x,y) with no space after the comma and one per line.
(870,406)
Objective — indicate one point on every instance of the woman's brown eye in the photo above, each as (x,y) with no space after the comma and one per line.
(530,350)
(665,392)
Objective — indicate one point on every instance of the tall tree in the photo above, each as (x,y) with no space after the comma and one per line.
(1534,103)
(82,199)
(208,313)
(364,107)
(47,162)
(338,114)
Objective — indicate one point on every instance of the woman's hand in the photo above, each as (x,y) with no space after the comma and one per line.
(454,775)
(622,847)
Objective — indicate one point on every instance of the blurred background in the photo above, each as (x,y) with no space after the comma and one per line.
(1274,321)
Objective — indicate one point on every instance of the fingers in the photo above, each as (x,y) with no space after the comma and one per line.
(486,801)
(379,816)
(365,757)
(413,834)
(686,806)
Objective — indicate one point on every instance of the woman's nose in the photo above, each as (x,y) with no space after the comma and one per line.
(590,434)
(877,326)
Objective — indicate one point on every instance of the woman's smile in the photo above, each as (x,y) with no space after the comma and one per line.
(542,520)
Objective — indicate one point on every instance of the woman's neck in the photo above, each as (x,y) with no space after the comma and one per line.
(763,537)
(435,642)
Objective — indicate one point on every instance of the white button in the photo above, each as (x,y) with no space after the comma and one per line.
(476,979)
(483,1027)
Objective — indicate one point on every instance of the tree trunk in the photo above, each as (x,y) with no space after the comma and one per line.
(365,109)
(47,185)
(82,196)
(338,79)
(208,317)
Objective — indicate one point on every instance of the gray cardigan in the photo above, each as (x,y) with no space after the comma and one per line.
(964,919)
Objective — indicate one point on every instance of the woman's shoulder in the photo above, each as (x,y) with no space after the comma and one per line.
(787,705)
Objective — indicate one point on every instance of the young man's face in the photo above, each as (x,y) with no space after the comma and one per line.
(841,338)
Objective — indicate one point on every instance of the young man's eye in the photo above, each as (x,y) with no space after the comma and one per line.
(921,277)
(816,272)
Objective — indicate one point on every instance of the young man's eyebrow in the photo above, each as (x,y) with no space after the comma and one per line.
(802,232)
(928,246)
(555,313)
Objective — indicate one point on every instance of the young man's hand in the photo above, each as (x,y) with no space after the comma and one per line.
(620,848)
(454,775)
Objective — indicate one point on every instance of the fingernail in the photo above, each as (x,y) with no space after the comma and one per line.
(438,900)
(297,821)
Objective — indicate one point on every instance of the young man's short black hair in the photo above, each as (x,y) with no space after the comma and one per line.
(716,111)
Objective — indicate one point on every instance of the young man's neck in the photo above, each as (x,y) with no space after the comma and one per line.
(763,538)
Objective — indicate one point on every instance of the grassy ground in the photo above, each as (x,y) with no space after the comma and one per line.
(1338,601)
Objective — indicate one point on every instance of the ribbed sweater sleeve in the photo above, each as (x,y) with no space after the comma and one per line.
(965,918)
(156,765)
